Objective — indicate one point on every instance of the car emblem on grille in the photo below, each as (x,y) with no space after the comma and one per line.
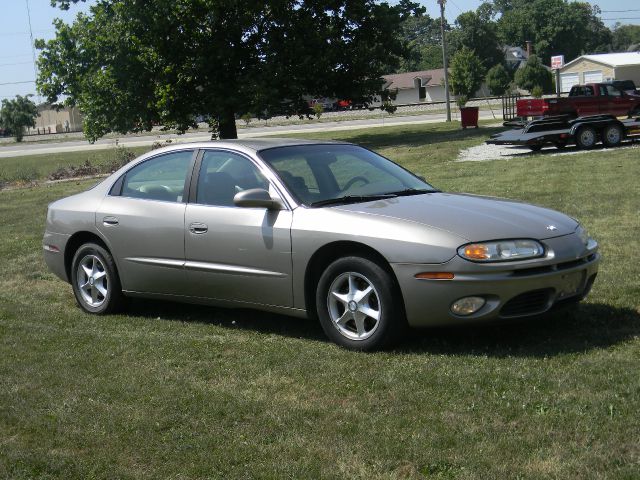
(551,227)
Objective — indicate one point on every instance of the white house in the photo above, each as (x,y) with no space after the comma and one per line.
(416,87)
(600,68)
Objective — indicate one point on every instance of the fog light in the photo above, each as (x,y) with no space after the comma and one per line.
(467,305)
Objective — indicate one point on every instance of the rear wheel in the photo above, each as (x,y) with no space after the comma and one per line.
(586,138)
(612,135)
(95,280)
(358,306)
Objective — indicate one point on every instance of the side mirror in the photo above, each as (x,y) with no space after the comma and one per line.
(257,198)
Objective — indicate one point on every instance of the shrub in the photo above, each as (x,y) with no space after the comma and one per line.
(498,80)
(467,72)
(534,74)
(318,110)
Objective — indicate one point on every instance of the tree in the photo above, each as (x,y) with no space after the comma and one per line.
(555,27)
(467,73)
(498,79)
(422,36)
(129,65)
(534,74)
(479,34)
(624,36)
(17,114)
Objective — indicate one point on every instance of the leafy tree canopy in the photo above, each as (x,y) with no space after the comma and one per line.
(554,26)
(498,79)
(624,36)
(534,74)
(18,113)
(129,65)
(467,72)
(479,34)
(422,36)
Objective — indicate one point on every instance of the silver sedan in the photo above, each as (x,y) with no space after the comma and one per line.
(313,229)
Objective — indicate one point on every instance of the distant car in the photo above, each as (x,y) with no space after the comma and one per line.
(327,104)
(310,229)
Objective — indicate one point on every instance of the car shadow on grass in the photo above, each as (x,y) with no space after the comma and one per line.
(239,319)
(570,330)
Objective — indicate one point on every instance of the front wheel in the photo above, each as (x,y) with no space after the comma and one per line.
(95,281)
(358,306)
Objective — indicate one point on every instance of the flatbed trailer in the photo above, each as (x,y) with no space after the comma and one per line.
(560,131)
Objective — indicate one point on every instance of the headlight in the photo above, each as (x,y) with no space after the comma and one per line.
(501,251)
(582,233)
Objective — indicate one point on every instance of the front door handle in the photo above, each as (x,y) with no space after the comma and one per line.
(198,228)
(110,221)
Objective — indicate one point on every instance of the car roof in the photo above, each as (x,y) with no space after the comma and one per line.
(255,144)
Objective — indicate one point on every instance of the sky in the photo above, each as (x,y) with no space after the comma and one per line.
(16,58)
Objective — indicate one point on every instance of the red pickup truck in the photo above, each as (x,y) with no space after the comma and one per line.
(583,100)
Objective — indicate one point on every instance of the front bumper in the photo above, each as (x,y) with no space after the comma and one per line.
(510,290)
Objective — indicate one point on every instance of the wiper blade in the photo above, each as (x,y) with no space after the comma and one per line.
(352,199)
(413,191)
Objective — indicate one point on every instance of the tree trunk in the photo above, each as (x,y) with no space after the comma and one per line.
(227,125)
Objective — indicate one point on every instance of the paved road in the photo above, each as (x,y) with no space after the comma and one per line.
(16,150)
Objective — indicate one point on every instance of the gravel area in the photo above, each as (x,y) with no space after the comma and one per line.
(485,153)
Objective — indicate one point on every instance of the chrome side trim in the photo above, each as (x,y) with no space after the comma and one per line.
(161,262)
(205,267)
(231,269)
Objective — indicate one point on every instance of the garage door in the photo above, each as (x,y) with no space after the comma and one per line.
(593,77)
(568,80)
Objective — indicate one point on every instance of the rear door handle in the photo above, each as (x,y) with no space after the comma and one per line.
(198,228)
(110,221)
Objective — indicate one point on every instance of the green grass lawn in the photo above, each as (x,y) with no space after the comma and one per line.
(38,167)
(180,391)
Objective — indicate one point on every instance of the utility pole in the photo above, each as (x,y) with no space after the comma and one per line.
(444,59)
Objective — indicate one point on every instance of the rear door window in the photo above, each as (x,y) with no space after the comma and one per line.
(160,178)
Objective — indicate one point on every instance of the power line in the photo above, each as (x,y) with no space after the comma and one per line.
(618,11)
(18,83)
(15,63)
(623,18)
(33,45)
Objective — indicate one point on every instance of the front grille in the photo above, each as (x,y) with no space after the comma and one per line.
(528,303)
(525,272)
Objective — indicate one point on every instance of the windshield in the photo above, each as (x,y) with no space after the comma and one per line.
(319,174)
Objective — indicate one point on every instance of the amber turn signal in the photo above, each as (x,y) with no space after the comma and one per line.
(435,275)
(476,252)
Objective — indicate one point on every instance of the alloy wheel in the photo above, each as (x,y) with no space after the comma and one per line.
(354,306)
(92,281)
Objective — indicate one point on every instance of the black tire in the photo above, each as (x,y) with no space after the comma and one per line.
(383,298)
(612,135)
(586,138)
(560,145)
(103,282)
(535,148)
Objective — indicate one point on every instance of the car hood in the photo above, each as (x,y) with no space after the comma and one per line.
(472,217)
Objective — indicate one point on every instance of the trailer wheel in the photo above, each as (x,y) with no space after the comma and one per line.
(560,145)
(535,148)
(586,138)
(612,135)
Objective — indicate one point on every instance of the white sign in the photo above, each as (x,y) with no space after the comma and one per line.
(557,61)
